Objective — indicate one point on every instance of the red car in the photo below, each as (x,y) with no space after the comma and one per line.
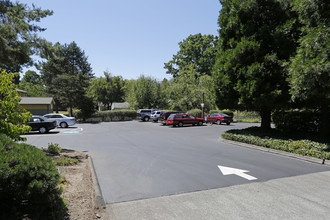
(219,118)
(182,119)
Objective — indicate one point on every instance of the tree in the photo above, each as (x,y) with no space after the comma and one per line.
(67,75)
(144,93)
(32,83)
(107,89)
(309,70)
(198,50)
(256,38)
(18,39)
(12,117)
(186,91)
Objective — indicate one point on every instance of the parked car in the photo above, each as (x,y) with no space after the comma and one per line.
(41,124)
(219,118)
(163,117)
(182,119)
(62,121)
(144,114)
(155,115)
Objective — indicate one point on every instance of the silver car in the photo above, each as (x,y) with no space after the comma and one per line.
(62,121)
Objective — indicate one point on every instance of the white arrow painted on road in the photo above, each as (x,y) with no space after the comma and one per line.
(238,172)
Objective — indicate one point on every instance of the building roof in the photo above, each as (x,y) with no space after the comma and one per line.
(120,105)
(22,91)
(36,100)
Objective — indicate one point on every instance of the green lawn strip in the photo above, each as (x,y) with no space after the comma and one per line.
(275,140)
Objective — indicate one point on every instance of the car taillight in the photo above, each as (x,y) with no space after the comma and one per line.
(72,119)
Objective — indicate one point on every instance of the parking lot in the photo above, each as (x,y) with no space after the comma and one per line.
(138,160)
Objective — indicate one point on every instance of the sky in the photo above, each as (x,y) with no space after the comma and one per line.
(128,37)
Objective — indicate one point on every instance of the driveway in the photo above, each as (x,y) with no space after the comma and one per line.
(140,160)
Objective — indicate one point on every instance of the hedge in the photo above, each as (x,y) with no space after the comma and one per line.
(273,139)
(196,112)
(115,115)
(29,183)
(305,121)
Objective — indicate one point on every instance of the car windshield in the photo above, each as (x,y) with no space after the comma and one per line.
(171,116)
(222,114)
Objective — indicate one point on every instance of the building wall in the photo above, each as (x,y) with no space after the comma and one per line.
(38,109)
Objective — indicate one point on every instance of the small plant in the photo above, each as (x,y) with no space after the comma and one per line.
(65,161)
(53,149)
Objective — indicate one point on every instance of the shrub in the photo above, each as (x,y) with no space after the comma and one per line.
(276,140)
(53,149)
(306,121)
(116,115)
(28,183)
(196,112)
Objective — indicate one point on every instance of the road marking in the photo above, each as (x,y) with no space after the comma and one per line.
(242,173)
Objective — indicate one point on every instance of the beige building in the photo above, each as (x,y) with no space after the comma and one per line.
(36,105)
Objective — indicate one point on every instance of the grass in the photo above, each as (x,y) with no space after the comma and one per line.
(245,116)
(65,161)
(275,139)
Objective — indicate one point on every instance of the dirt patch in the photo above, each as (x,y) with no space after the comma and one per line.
(79,188)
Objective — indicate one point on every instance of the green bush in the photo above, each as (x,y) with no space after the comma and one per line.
(279,141)
(53,149)
(305,121)
(225,111)
(196,112)
(28,183)
(116,115)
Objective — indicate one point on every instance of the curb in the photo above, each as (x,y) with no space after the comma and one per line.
(279,152)
(99,201)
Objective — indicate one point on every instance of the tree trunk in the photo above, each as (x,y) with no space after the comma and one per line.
(265,118)
(324,120)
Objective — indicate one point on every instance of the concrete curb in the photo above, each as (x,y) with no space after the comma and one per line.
(99,201)
(282,153)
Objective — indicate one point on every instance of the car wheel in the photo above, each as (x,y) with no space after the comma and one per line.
(42,130)
(146,118)
(180,124)
(218,122)
(228,123)
(200,123)
(64,125)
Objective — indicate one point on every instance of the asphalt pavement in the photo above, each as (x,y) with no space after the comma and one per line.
(137,162)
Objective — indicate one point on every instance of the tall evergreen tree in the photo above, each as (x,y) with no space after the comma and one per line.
(310,67)
(67,75)
(256,37)
(18,39)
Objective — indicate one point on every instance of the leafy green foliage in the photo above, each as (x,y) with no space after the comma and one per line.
(12,117)
(196,112)
(115,115)
(256,38)
(66,75)
(197,50)
(186,91)
(309,72)
(279,141)
(32,83)
(53,149)
(107,89)
(304,121)
(18,39)
(28,183)
(145,92)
